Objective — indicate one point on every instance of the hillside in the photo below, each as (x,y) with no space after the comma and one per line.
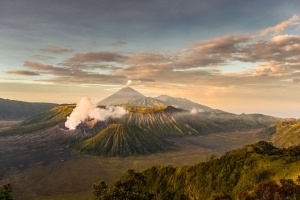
(17,110)
(258,171)
(184,103)
(146,132)
(285,133)
(150,125)
(40,121)
(123,140)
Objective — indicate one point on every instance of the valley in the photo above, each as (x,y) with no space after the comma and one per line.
(60,152)
(149,100)
(53,170)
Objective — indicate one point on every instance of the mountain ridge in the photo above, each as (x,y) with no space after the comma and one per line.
(16,110)
(127,96)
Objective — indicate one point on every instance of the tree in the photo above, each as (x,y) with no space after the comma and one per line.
(130,187)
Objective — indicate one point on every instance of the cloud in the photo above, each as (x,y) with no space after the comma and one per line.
(213,52)
(147,58)
(56,50)
(296,80)
(129,82)
(97,57)
(23,72)
(293,21)
(273,69)
(282,48)
(81,77)
(49,68)
(44,58)
(196,111)
(38,66)
(69,75)
(118,43)
(273,60)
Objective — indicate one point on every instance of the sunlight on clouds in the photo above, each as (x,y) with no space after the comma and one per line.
(228,72)
(293,21)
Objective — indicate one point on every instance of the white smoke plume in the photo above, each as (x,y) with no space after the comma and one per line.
(85,109)
(196,110)
(129,82)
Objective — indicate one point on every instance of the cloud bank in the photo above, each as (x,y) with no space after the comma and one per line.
(274,60)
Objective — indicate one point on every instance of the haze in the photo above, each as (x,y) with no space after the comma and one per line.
(237,56)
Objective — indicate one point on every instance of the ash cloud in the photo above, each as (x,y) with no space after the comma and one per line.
(85,110)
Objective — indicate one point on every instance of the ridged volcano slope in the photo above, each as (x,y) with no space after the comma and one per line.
(123,140)
(162,122)
(174,122)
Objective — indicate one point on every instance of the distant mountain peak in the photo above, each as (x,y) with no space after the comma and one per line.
(122,96)
(184,103)
(128,96)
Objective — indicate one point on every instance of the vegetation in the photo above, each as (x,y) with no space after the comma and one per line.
(46,119)
(123,140)
(269,190)
(16,110)
(130,186)
(285,133)
(6,192)
(258,171)
(142,109)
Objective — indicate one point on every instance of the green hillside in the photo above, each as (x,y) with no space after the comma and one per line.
(258,171)
(45,119)
(16,110)
(284,134)
(123,140)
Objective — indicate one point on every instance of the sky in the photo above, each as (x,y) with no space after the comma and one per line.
(237,56)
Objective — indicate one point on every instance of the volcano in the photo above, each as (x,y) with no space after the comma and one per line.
(127,96)
(146,127)
(121,97)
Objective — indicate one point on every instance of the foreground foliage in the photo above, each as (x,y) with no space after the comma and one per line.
(258,171)
(6,192)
